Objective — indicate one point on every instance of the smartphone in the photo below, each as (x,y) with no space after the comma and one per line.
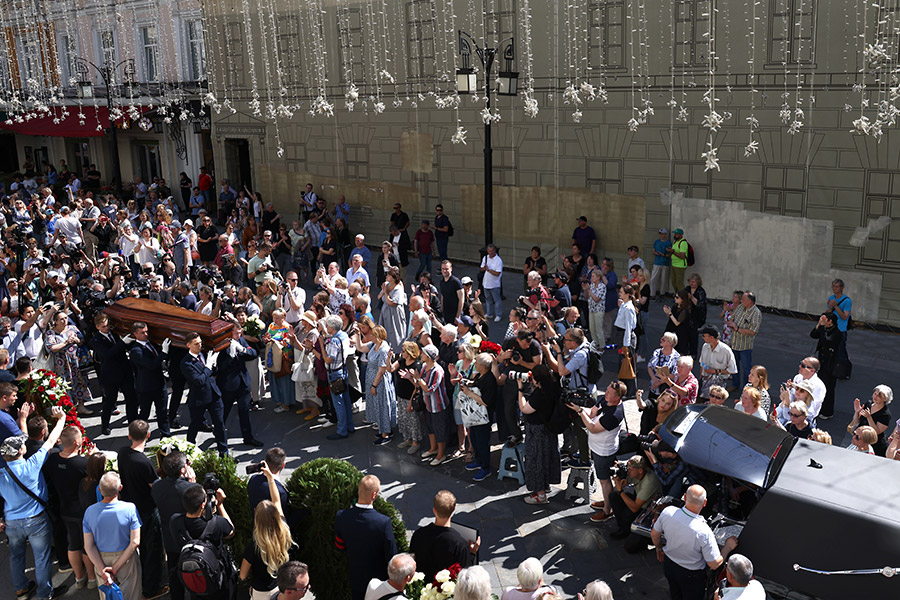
(254,468)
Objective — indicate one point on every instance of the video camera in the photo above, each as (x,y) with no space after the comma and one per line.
(619,470)
(580,396)
(211,484)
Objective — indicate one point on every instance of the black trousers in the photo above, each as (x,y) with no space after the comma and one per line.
(111,389)
(178,384)
(157,399)
(216,415)
(684,584)
(242,399)
(624,518)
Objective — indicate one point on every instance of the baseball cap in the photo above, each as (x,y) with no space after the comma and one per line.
(11,445)
(431,350)
(582,218)
(679,231)
(466,280)
(466,320)
(188,222)
(561,275)
(663,230)
(176,224)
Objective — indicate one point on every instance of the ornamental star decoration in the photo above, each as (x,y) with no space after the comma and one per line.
(712,161)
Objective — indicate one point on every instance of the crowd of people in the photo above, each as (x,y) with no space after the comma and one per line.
(422,360)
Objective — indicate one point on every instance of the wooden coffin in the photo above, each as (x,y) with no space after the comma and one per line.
(165,321)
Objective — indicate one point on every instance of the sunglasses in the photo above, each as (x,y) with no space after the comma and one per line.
(805,366)
(717,396)
(796,414)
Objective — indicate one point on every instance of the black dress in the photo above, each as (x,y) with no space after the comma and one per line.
(208,249)
(682,330)
(542,462)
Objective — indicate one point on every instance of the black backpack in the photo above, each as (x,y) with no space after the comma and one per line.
(203,566)
(449,229)
(595,363)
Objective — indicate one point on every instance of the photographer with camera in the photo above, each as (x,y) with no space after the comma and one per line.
(571,363)
(520,354)
(542,464)
(635,485)
(603,422)
(537,297)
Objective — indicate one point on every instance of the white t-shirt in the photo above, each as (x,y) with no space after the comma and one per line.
(70,226)
(494,264)
(299,294)
(753,591)
(148,255)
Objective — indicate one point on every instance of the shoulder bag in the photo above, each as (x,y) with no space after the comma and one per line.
(338,386)
(34,496)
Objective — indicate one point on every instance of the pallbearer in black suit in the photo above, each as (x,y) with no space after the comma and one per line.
(234,381)
(367,536)
(149,382)
(114,371)
(204,394)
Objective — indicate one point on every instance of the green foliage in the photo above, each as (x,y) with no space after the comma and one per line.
(236,501)
(324,486)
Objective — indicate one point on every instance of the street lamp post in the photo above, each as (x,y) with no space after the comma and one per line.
(85,90)
(466,83)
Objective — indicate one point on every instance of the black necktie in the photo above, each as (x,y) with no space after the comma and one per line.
(152,349)
(110,338)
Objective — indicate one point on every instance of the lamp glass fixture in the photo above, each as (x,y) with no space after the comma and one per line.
(508,83)
(466,82)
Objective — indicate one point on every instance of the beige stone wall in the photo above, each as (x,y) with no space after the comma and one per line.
(549,170)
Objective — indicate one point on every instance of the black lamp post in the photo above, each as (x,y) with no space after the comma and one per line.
(86,90)
(466,83)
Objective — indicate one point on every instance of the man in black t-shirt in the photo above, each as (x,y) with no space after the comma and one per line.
(400,220)
(451,293)
(167,495)
(438,546)
(138,476)
(64,471)
(191,525)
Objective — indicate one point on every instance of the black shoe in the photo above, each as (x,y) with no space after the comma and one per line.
(23,594)
(381,441)
(107,431)
(176,424)
(254,406)
(206,428)
(59,591)
(253,442)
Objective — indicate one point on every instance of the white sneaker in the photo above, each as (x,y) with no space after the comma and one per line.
(641,359)
(497,319)
(326,424)
(280,409)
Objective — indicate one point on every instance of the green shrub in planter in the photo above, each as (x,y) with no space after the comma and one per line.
(236,501)
(324,486)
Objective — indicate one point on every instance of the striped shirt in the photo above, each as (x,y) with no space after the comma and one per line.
(745,318)
(436,394)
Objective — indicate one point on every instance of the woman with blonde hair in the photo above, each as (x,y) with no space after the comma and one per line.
(271,544)
(863,438)
(381,400)
(758,378)
(409,417)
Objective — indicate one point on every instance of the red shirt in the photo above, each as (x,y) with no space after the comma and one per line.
(423,241)
(205,182)
(689,383)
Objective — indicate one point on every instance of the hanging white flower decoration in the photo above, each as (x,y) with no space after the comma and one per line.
(576,116)
(460,136)
(386,75)
(861,125)
(352,94)
(632,124)
(254,107)
(785,113)
(672,103)
(712,161)
(378,108)
(798,113)
(531,107)
(875,130)
(683,114)
(795,127)
(753,122)
(751,148)
(857,88)
(486,116)
(602,95)
(848,108)
(398,103)
(588,90)
(571,95)
(713,121)
(280,152)
(876,53)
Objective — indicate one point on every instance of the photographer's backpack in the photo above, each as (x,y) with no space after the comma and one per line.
(201,566)
(595,363)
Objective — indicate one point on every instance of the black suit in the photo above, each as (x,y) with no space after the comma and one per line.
(368,538)
(150,383)
(233,380)
(115,374)
(204,395)
(176,354)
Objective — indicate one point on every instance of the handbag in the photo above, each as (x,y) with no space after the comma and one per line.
(626,369)
(277,362)
(338,386)
(473,413)
(418,401)
(304,367)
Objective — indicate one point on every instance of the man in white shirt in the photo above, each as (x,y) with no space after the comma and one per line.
(293,299)
(808,370)
(717,362)
(357,272)
(741,585)
(492,267)
(400,572)
(69,226)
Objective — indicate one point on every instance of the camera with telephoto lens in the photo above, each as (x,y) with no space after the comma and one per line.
(520,375)
(211,483)
(648,441)
(580,396)
(619,470)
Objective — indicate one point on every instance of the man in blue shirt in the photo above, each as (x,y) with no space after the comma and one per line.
(112,532)
(585,237)
(8,425)
(24,518)
(659,278)
(360,248)
(841,305)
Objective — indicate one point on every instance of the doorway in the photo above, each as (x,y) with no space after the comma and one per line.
(237,163)
(147,161)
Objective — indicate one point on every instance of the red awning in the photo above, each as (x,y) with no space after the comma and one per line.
(71,125)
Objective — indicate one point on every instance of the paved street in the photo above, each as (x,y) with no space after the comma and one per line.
(573,550)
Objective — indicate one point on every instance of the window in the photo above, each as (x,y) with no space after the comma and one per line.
(882,199)
(691,29)
(430,183)
(606,35)
(604,175)
(356,156)
(691,179)
(791,27)
(146,158)
(353,51)
(784,190)
(234,51)
(196,51)
(29,60)
(288,29)
(295,155)
(500,20)
(67,53)
(150,53)
(420,40)
(107,48)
